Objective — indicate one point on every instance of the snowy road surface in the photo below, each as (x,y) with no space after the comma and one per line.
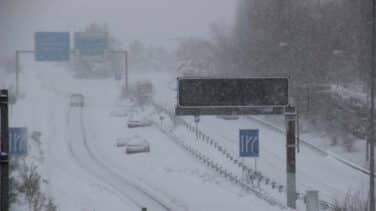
(87,159)
(84,169)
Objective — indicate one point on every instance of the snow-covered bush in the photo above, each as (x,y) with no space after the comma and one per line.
(354,201)
(26,186)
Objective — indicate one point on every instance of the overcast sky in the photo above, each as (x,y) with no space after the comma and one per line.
(152,21)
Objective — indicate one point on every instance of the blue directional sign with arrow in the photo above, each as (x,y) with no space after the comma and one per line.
(18,141)
(249,143)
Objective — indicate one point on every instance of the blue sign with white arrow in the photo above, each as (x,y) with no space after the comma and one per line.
(249,143)
(18,141)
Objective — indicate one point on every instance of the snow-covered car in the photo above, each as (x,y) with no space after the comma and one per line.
(133,144)
(143,92)
(121,142)
(229,117)
(132,149)
(77,100)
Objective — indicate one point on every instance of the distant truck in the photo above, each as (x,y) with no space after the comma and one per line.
(143,92)
(77,100)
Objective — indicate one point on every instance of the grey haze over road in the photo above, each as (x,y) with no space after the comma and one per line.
(152,21)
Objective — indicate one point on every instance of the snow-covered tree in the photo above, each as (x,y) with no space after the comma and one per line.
(195,57)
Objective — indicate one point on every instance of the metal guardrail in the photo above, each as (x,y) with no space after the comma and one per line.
(221,170)
(316,148)
(255,176)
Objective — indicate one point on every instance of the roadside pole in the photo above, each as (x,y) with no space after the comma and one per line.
(126,72)
(255,159)
(17,71)
(371,137)
(197,120)
(290,115)
(18,56)
(126,75)
(4,147)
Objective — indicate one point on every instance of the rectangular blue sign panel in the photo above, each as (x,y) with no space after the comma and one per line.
(52,46)
(249,143)
(18,141)
(90,43)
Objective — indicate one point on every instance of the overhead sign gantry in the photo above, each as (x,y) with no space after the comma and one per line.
(214,96)
(243,96)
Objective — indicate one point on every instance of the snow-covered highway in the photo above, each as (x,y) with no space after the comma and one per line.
(86,171)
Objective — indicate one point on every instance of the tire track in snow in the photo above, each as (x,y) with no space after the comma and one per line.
(114,174)
(87,169)
(110,175)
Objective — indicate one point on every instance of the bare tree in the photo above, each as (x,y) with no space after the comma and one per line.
(30,186)
(29,183)
(195,57)
(39,201)
(50,206)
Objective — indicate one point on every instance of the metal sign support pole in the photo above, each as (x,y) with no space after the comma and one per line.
(4,150)
(197,120)
(126,72)
(18,52)
(291,157)
(255,164)
(371,133)
(17,71)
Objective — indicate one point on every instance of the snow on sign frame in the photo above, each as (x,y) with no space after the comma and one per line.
(227,96)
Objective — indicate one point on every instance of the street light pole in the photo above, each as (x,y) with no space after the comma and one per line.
(18,57)
(372,114)
(4,151)
(126,70)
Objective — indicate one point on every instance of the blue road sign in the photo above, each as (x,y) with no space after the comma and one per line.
(52,46)
(249,143)
(90,43)
(18,141)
